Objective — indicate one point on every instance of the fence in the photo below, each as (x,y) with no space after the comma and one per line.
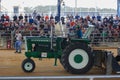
(105,39)
(7,38)
(89,77)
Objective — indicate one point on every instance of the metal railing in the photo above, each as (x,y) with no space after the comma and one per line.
(96,38)
(90,77)
(99,38)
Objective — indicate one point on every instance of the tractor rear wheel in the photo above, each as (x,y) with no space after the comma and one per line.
(77,58)
(28,65)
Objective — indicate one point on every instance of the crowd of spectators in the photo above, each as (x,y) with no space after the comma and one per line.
(32,22)
(104,26)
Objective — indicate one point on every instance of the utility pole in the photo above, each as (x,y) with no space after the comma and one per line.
(59,9)
(75,12)
(118,8)
(0,6)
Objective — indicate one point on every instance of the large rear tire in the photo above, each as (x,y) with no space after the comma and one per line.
(77,58)
(28,65)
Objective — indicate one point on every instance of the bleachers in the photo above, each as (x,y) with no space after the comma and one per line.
(7,29)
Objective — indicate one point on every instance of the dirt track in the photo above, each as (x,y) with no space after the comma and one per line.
(10,65)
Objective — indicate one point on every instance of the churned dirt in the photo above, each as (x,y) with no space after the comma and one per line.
(10,65)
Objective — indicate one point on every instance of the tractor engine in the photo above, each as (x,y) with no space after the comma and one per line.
(42,46)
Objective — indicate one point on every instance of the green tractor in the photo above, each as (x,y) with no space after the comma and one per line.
(74,54)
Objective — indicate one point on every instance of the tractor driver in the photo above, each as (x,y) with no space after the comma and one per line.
(79,32)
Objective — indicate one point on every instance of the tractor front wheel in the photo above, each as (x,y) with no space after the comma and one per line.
(28,65)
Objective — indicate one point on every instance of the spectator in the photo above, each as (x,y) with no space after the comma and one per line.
(71,17)
(51,17)
(31,20)
(7,18)
(1,26)
(46,17)
(110,37)
(2,18)
(67,22)
(63,20)
(88,18)
(26,17)
(41,23)
(99,17)
(18,42)
(15,18)
(42,17)
(71,33)
(38,17)
(20,17)
(72,23)
(93,17)
(77,17)
(111,20)
(6,25)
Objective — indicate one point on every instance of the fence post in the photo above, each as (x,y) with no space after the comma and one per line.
(12,38)
(0,34)
(93,38)
(103,35)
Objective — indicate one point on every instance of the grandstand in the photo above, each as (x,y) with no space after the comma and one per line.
(105,31)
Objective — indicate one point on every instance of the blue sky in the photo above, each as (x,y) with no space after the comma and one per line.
(80,3)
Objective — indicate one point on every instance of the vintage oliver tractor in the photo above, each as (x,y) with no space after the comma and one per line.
(74,54)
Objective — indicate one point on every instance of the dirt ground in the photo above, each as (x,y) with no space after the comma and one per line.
(10,65)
